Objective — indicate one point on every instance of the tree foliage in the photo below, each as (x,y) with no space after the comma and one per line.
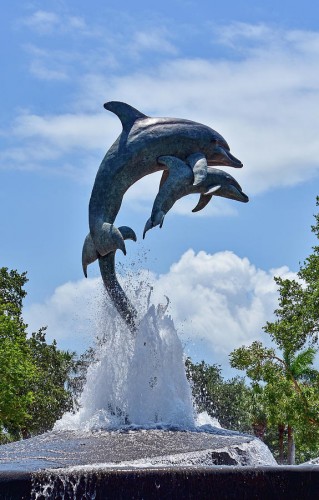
(225,400)
(284,375)
(12,292)
(51,386)
(297,316)
(16,375)
(35,376)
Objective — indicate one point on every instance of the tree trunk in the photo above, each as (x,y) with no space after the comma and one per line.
(25,433)
(291,446)
(259,429)
(281,430)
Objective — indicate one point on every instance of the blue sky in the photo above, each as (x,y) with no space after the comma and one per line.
(248,69)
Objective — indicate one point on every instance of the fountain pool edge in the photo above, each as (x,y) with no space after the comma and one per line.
(218,482)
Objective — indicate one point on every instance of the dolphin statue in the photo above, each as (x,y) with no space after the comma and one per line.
(180,183)
(134,154)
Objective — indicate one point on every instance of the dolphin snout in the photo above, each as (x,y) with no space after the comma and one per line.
(235,162)
(223,157)
(237,194)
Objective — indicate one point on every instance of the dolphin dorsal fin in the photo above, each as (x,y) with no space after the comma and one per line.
(126,113)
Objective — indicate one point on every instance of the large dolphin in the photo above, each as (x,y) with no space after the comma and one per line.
(135,154)
(180,183)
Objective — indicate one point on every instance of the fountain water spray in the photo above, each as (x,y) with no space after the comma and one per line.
(135,381)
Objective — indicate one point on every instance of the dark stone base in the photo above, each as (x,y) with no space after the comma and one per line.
(171,483)
(15,485)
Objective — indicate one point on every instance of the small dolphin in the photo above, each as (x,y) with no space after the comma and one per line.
(180,183)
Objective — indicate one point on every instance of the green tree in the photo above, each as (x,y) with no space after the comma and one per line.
(35,376)
(17,373)
(51,387)
(285,377)
(12,291)
(297,317)
(226,400)
(286,387)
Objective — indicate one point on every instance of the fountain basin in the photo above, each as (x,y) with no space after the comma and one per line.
(139,447)
(149,464)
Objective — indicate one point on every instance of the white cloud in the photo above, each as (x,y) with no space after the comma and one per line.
(253,37)
(154,40)
(77,22)
(100,46)
(264,108)
(43,22)
(52,144)
(264,103)
(239,31)
(70,314)
(220,300)
(64,132)
(41,71)
(47,65)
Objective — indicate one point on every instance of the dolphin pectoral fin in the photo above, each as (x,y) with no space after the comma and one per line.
(203,200)
(164,178)
(126,113)
(89,253)
(108,239)
(127,233)
(198,164)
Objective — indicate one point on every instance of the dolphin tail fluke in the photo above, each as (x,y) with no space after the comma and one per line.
(156,220)
(89,253)
(148,226)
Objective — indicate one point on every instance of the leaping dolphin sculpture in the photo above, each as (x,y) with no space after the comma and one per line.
(136,153)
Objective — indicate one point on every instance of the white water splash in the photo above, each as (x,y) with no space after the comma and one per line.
(136,381)
(203,419)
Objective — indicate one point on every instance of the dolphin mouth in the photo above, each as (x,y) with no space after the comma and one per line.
(223,157)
